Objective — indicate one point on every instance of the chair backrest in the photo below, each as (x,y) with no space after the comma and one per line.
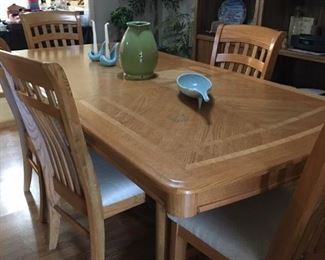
(52,29)
(7,91)
(302,232)
(247,49)
(44,90)
(11,100)
(29,132)
(3,46)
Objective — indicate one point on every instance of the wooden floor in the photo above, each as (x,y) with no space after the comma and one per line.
(129,235)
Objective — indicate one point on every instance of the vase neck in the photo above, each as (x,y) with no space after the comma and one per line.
(138,25)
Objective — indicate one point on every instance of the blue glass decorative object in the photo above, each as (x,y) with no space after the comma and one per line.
(232,12)
(110,60)
(96,56)
(194,85)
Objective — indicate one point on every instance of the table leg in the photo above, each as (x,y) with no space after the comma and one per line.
(177,244)
(161,231)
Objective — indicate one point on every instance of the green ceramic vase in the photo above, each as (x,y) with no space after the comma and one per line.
(138,51)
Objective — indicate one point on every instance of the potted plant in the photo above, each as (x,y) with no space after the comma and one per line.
(176,34)
(175,31)
(120,17)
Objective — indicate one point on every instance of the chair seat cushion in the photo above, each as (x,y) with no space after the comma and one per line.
(313,91)
(242,230)
(114,186)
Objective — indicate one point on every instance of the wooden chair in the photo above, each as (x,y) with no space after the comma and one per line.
(52,29)
(73,174)
(274,225)
(248,49)
(3,46)
(30,159)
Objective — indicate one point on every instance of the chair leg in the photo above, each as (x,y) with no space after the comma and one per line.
(27,169)
(43,200)
(161,230)
(97,240)
(178,244)
(55,221)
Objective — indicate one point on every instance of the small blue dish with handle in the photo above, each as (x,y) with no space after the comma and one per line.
(194,85)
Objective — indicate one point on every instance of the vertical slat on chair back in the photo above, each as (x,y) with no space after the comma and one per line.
(3,46)
(52,29)
(302,232)
(248,49)
(45,91)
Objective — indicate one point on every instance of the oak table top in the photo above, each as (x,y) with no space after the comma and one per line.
(253,135)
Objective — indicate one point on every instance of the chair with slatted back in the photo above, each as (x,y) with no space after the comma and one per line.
(248,49)
(73,174)
(52,29)
(30,159)
(274,225)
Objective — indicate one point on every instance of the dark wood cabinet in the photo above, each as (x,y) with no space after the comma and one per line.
(206,13)
(293,68)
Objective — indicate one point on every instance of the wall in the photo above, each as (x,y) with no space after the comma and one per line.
(100,11)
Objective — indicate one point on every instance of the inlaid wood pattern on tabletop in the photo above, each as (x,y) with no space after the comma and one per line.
(252,136)
(130,235)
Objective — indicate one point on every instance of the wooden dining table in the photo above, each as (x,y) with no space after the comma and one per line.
(252,136)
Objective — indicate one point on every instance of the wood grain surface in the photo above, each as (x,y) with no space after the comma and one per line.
(253,136)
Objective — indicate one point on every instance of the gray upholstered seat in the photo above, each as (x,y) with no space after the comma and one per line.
(314,91)
(243,230)
(114,186)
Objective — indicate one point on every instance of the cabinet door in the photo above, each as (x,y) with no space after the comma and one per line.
(206,13)
(204,50)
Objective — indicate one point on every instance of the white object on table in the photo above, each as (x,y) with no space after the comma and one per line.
(93,25)
(107,50)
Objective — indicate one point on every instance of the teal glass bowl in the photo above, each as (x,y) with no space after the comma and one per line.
(194,85)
